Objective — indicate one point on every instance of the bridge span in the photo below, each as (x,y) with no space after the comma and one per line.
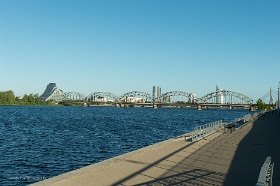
(219,98)
(252,107)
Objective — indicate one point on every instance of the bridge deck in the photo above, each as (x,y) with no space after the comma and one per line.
(219,159)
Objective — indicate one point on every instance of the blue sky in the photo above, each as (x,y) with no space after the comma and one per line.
(125,45)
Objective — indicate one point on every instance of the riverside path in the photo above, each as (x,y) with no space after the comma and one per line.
(222,158)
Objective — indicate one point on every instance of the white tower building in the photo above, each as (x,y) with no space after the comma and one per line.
(156,93)
(220,96)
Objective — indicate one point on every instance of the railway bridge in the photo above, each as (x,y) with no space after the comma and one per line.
(222,98)
(219,98)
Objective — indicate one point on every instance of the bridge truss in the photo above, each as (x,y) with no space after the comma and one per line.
(102,97)
(166,97)
(73,96)
(218,97)
(136,96)
(225,97)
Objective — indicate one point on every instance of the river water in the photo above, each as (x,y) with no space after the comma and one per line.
(41,142)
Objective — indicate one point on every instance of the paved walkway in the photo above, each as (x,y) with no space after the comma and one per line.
(219,159)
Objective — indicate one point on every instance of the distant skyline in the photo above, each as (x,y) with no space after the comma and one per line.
(120,46)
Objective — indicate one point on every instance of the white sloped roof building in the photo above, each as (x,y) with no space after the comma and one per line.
(52,92)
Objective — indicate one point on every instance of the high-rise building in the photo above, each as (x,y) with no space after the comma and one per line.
(220,96)
(52,92)
(156,93)
(167,99)
(192,98)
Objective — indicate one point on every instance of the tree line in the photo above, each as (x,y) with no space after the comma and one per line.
(9,98)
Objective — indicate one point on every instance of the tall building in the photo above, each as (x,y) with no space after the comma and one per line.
(220,96)
(167,99)
(52,92)
(156,93)
(192,98)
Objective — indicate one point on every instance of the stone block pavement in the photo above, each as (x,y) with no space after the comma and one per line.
(222,158)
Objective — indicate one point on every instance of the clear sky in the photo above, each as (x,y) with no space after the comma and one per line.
(130,45)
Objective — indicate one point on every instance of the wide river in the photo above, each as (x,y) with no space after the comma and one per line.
(41,142)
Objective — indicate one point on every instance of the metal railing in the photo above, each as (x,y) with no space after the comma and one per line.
(245,118)
(207,129)
(202,131)
(266,173)
(241,122)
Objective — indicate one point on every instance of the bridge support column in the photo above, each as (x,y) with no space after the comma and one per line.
(199,107)
(155,106)
(252,108)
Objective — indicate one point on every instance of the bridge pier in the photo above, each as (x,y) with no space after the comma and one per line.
(199,107)
(252,108)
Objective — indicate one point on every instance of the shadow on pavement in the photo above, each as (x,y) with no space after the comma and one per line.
(186,177)
(263,140)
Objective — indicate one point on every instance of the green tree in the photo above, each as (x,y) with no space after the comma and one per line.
(7,97)
(10,97)
(261,105)
(2,97)
(24,100)
(31,99)
(37,99)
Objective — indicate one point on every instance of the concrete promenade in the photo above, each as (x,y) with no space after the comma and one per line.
(222,158)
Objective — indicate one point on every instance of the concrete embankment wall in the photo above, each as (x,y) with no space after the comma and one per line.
(106,168)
